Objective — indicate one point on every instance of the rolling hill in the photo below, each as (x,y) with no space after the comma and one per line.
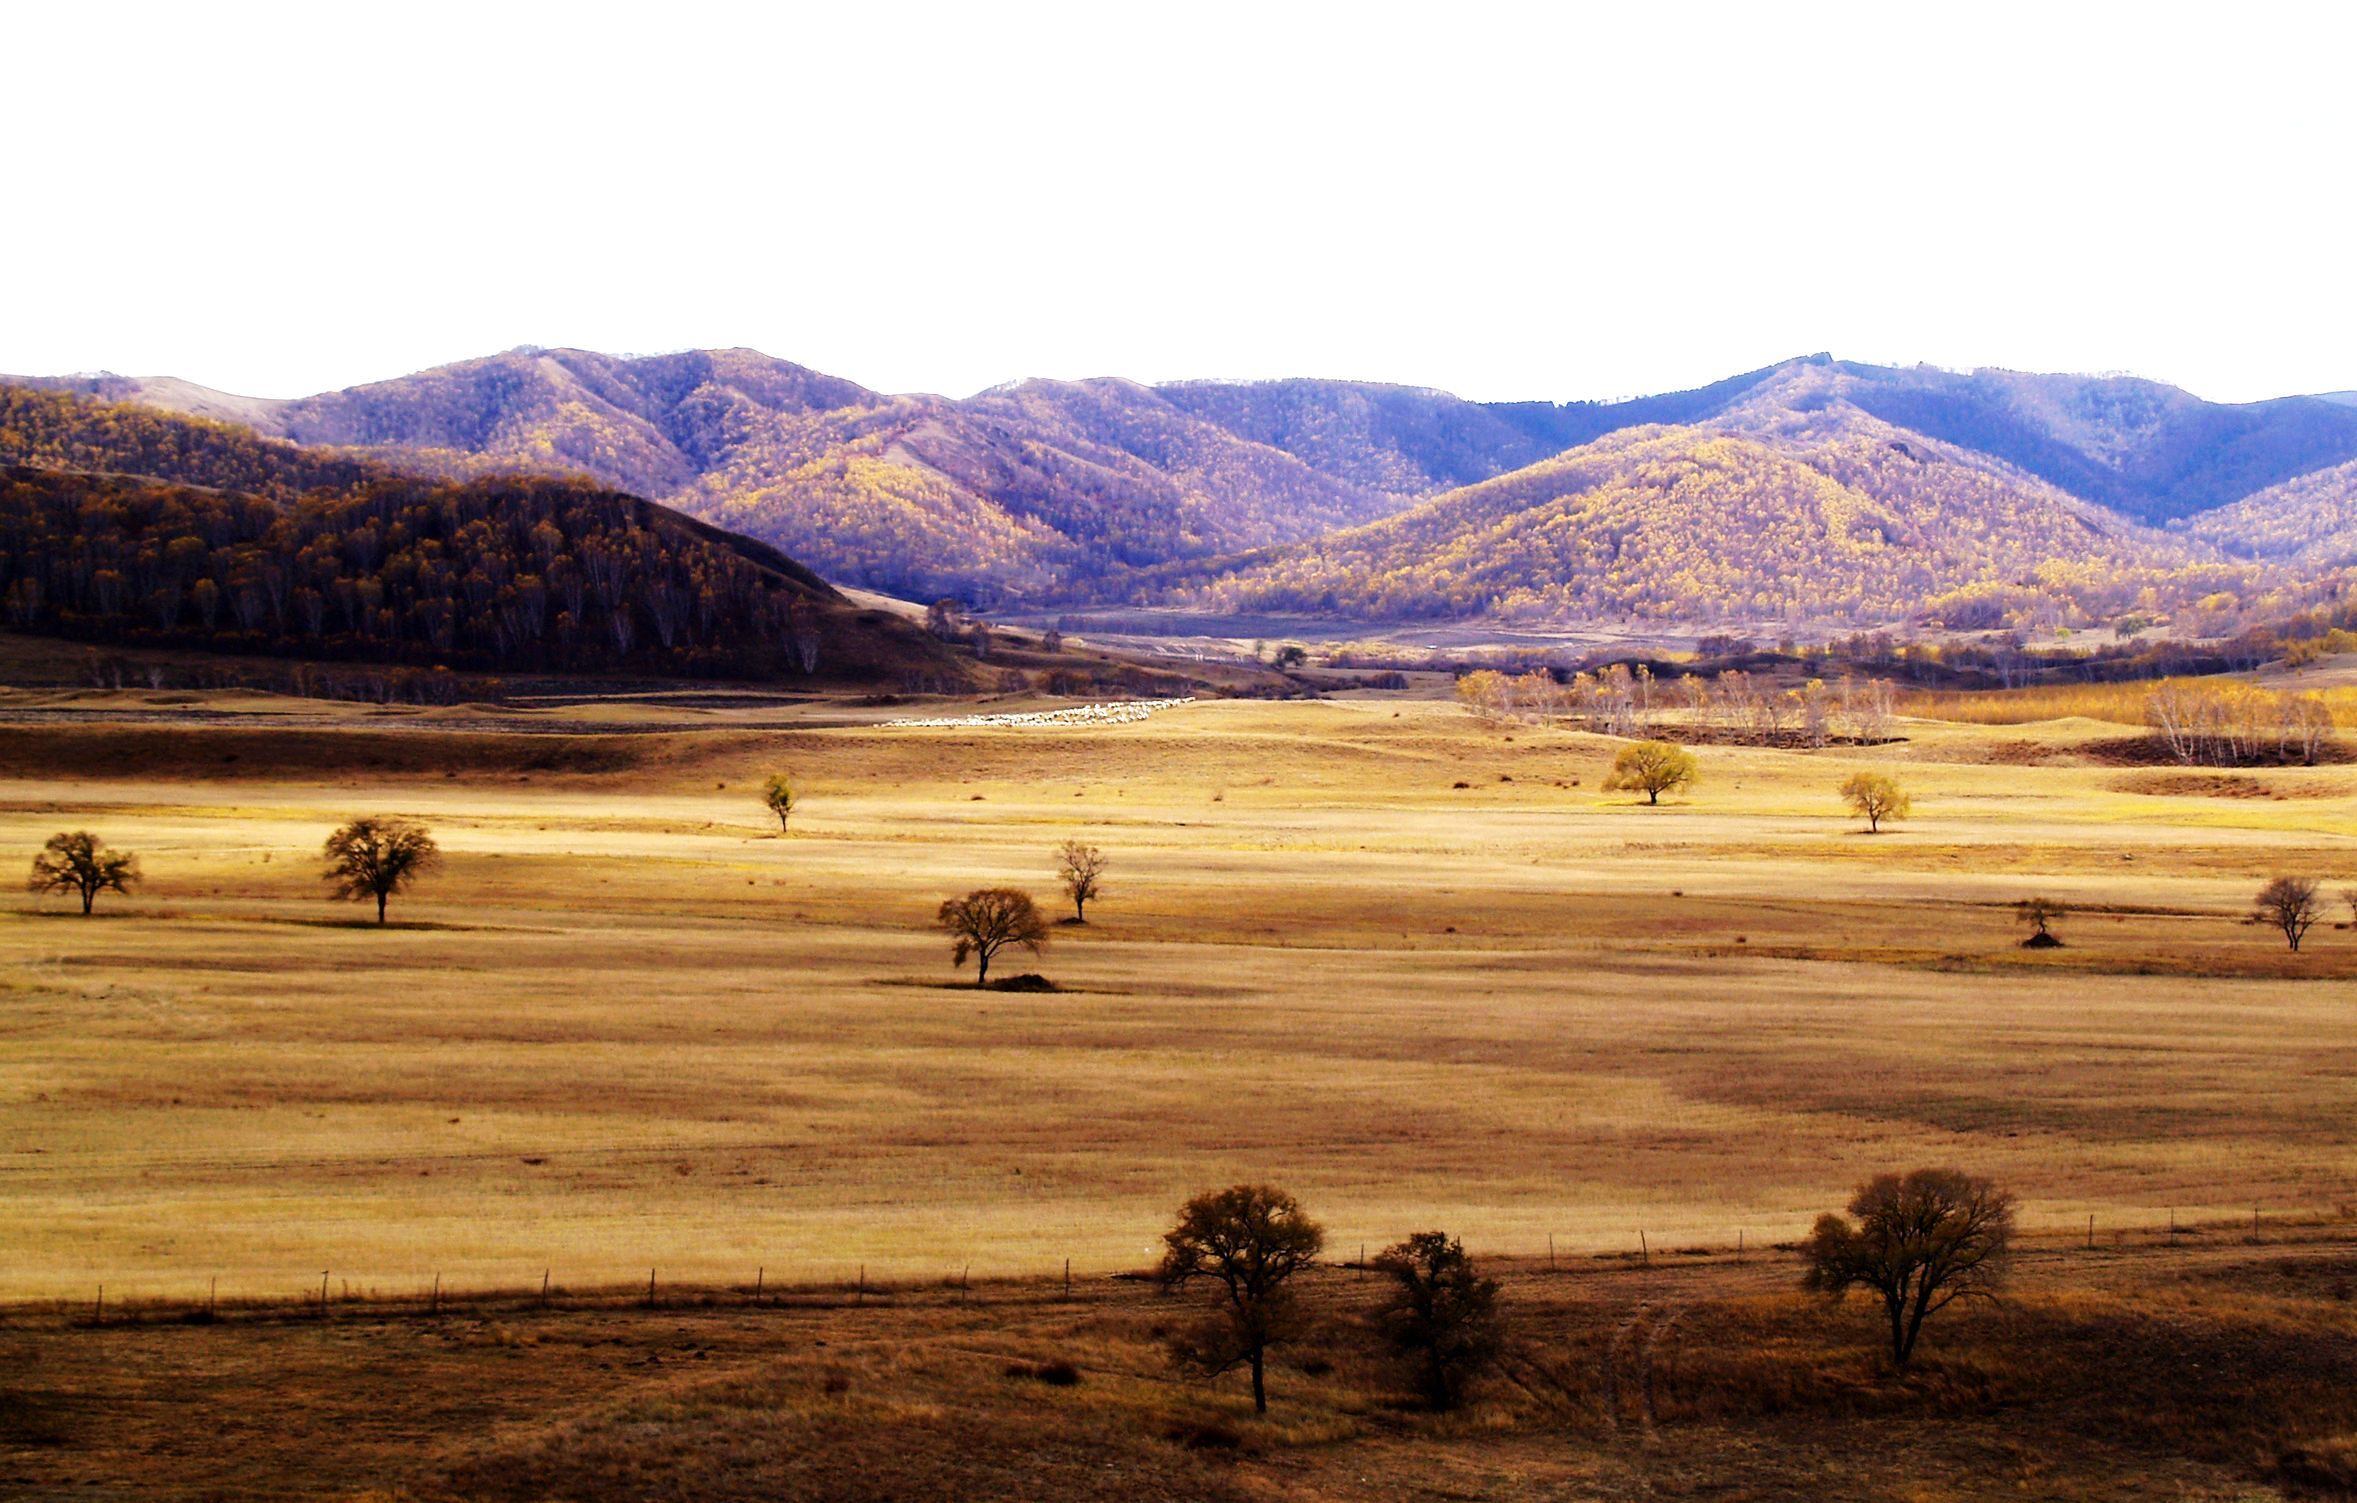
(1043,494)
(125,525)
(1791,504)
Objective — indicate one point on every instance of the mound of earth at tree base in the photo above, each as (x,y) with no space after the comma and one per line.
(1029,981)
(2041,942)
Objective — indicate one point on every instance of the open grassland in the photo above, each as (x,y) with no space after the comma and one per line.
(628,1026)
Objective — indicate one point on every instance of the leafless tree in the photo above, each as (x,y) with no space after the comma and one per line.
(1876,797)
(1082,868)
(79,862)
(377,857)
(2291,904)
(1247,1241)
(777,796)
(986,921)
(1921,1242)
(2040,914)
(1439,1314)
(1652,768)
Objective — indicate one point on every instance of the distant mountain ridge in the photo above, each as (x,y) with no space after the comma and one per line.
(1045,493)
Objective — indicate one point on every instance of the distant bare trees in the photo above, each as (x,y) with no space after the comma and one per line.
(1620,699)
(1652,768)
(1439,1314)
(1920,1242)
(1876,797)
(376,857)
(1082,868)
(79,862)
(986,921)
(1247,1242)
(2290,904)
(2232,722)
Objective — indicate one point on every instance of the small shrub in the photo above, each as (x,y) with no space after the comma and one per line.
(1029,981)
(1205,1435)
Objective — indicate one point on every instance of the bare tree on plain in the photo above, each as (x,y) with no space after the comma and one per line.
(777,796)
(79,862)
(986,921)
(1876,797)
(2291,904)
(376,857)
(1439,1314)
(1248,1241)
(1921,1242)
(1652,768)
(2040,914)
(1082,868)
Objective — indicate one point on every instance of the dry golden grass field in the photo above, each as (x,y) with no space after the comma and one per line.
(1418,969)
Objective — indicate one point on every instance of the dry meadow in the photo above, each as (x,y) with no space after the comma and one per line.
(1418,968)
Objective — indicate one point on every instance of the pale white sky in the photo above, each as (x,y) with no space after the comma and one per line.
(1554,201)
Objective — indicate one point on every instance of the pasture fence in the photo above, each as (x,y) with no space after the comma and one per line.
(435,1295)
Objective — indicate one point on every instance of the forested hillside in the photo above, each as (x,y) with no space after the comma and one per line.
(2310,521)
(122,525)
(58,431)
(1038,492)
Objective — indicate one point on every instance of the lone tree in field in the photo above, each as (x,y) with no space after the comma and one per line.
(2291,904)
(1876,797)
(2040,914)
(1083,869)
(377,857)
(1652,768)
(777,796)
(1921,1241)
(79,862)
(1439,1314)
(1248,1241)
(986,921)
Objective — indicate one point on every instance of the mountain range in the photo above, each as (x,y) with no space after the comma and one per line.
(1815,489)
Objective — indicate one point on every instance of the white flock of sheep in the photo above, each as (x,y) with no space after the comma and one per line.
(1119,712)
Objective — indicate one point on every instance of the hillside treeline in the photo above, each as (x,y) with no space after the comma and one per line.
(513,573)
(61,432)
